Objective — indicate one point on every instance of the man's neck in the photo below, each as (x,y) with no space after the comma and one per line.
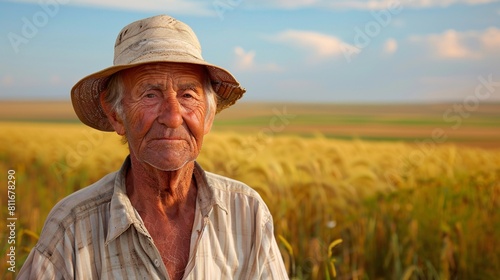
(156,192)
(166,202)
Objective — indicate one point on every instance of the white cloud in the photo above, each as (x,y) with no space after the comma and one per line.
(188,7)
(210,8)
(360,4)
(449,45)
(317,44)
(363,5)
(55,80)
(245,61)
(452,44)
(491,38)
(390,46)
(291,4)
(387,4)
(7,81)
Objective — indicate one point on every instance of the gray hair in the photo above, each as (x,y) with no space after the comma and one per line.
(116,87)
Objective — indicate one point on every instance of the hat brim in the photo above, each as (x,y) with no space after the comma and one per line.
(85,94)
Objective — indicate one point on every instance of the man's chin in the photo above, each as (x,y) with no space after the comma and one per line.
(168,164)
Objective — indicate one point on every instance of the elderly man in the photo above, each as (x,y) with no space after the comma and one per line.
(160,216)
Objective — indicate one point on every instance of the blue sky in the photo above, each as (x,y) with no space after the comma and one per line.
(296,50)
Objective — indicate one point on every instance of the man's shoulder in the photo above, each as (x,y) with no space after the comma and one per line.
(226,184)
(239,200)
(81,203)
(92,194)
(234,191)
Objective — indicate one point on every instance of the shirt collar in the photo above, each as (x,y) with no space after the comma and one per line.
(206,199)
(123,214)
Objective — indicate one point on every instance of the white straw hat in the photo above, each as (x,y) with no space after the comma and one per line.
(155,39)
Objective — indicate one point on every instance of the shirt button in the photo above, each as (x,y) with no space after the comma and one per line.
(157,263)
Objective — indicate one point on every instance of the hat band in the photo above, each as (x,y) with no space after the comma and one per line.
(156,45)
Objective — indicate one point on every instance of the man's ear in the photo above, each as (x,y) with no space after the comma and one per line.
(113,117)
(209,121)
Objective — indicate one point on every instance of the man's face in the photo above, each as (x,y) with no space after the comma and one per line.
(164,113)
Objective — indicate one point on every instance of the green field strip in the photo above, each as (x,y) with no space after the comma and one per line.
(360,120)
(314,119)
(391,138)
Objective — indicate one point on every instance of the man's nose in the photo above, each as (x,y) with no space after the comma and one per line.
(170,112)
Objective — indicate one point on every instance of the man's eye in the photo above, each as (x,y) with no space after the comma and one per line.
(189,93)
(150,95)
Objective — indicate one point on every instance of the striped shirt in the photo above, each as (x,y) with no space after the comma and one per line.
(95,233)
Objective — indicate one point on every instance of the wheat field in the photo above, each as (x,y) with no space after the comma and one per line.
(342,209)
